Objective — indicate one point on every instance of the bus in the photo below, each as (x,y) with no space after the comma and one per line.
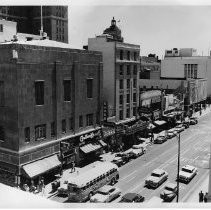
(85,185)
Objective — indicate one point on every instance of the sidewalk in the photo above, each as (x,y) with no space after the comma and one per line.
(204,112)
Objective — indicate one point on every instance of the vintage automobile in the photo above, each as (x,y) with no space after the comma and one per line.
(162,137)
(171,133)
(125,156)
(119,161)
(179,128)
(132,198)
(105,194)
(187,173)
(169,192)
(137,152)
(157,177)
(193,120)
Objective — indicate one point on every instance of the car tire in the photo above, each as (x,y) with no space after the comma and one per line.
(113,181)
(90,195)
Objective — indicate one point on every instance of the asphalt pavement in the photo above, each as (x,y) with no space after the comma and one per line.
(194,150)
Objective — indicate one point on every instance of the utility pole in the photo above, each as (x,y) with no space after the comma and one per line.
(178,167)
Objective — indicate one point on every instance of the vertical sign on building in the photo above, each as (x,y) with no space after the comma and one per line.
(105,111)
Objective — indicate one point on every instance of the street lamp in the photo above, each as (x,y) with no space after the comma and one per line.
(178,167)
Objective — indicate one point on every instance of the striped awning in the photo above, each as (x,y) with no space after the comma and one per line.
(91,147)
(41,166)
(102,143)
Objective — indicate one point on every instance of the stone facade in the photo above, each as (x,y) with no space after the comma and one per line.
(52,65)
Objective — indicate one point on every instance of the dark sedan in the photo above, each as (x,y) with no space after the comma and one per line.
(132,198)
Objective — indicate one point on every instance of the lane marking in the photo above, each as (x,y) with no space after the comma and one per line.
(128,175)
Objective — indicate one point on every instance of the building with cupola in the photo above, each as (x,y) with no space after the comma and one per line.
(121,65)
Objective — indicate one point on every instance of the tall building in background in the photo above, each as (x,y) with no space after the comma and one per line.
(28,18)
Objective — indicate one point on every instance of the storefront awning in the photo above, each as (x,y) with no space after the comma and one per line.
(41,166)
(90,147)
(102,143)
(159,122)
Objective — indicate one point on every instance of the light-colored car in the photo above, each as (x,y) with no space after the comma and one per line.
(162,137)
(179,128)
(169,192)
(105,194)
(119,161)
(140,146)
(157,177)
(171,133)
(187,173)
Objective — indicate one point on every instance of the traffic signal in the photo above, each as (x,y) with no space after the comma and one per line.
(105,111)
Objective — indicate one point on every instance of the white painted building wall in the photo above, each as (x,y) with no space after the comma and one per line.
(9,30)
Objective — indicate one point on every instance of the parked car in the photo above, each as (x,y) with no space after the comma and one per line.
(140,146)
(187,173)
(157,177)
(125,157)
(105,194)
(118,161)
(179,128)
(129,153)
(169,192)
(186,124)
(137,151)
(162,137)
(171,133)
(132,198)
(193,120)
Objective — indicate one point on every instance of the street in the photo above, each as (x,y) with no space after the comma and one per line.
(195,146)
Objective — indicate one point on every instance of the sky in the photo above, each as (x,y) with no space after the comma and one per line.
(155,25)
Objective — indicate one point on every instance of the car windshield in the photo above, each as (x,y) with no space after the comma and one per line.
(155,174)
(169,188)
(186,170)
(102,193)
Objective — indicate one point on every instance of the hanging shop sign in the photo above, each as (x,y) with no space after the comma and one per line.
(89,136)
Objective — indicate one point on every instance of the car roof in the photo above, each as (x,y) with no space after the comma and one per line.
(105,188)
(189,167)
(171,185)
(158,171)
(130,196)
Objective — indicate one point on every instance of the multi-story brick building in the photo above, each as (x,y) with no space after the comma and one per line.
(28,18)
(50,97)
(120,73)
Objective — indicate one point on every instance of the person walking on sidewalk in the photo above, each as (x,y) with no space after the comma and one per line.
(73,167)
(201,197)
(205,197)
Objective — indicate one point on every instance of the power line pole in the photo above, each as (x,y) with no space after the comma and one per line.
(178,167)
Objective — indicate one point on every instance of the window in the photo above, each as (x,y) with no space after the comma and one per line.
(2,99)
(135,69)
(121,70)
(89,83)
(128,98)
(27,134)
(63,126)
(2,134)
(67,90)
(128,113)
(1,27)
(134,111)
(120,99)
(40,132)
(128,69)
(121,84)
(80,121)
(134,97)
(134,83)
(135,56)
(89,119)
(121,54)
(71,123)
(128,55)
(128,83)
(186,70)
(39,92)
(195,70)
(121,114)
(53,129)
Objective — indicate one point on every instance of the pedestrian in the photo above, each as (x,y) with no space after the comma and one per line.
(42,185)
(26,187)
(205,197)
(32,187)
(60,171)
(73,166)
(201,197)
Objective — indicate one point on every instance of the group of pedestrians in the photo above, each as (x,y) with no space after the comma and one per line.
(35,189)
(203,197)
